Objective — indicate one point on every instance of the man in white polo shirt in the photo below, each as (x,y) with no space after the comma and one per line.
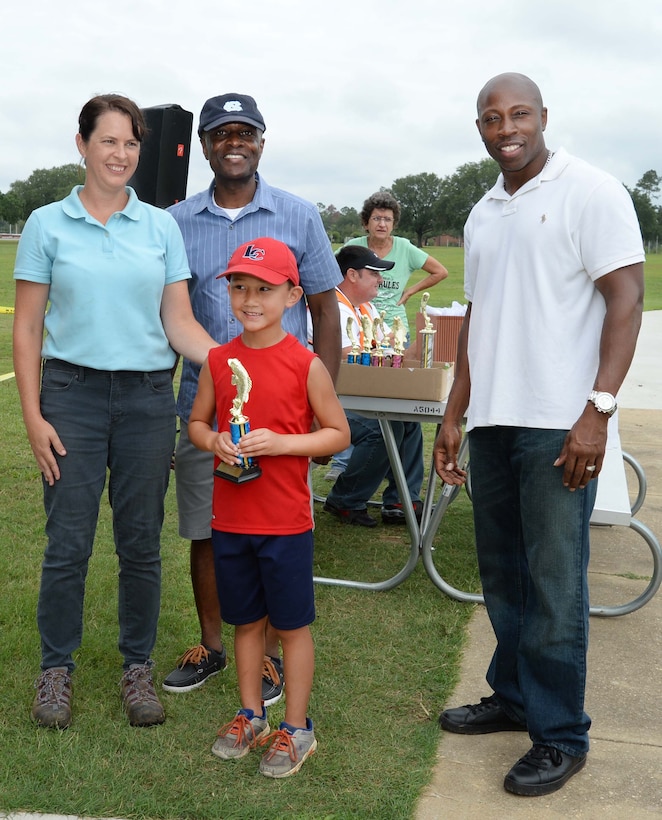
(554,281)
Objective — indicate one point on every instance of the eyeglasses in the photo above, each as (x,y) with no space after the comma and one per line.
(386,219)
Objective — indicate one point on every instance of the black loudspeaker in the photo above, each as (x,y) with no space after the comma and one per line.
(162,172)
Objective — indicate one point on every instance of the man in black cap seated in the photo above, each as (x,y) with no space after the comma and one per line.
(369,465)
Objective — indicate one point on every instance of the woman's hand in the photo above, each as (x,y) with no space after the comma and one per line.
(45,442)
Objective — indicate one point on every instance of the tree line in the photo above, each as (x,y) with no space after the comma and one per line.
(431,205)
(439,206)
(43,186)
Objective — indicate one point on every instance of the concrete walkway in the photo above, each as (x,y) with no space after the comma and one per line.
(623,775)
(27,816)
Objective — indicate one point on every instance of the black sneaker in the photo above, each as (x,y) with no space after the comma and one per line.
(358,517)
(542,770)
(273,680)
(194,667)
(479,719)
(394,513)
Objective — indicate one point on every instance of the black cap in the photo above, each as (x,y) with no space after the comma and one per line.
(230,108)
(358,257)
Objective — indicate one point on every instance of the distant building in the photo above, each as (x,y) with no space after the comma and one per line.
(445,241)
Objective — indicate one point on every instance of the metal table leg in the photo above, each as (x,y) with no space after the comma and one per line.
(412,524)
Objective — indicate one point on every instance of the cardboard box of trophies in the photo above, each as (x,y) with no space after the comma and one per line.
(411,381)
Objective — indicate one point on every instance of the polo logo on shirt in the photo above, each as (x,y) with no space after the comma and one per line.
(254,253)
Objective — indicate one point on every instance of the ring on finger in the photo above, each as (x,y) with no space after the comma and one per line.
(590,468)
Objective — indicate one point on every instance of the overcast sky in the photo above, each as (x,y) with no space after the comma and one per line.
(355,93)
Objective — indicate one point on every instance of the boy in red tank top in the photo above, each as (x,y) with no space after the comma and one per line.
(262,529)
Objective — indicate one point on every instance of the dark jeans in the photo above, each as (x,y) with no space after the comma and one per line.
(123,422)
(369,464)
(532,539)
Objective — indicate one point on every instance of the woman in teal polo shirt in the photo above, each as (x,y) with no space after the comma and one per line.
(102,300)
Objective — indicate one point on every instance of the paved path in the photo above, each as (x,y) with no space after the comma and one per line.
(623,775)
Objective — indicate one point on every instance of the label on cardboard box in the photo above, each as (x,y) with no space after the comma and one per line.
(408,382)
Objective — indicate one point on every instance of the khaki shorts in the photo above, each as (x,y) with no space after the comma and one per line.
(194,482)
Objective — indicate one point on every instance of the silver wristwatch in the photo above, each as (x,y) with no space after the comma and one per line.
(603,402)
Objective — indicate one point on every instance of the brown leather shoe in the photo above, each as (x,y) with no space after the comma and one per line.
(51,707)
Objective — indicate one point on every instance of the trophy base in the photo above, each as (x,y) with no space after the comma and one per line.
(236,473)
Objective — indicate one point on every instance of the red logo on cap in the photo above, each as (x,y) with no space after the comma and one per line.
(254,253)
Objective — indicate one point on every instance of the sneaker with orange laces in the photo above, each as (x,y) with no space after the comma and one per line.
(273,680)
(288,750)
(243,733)
(194,667)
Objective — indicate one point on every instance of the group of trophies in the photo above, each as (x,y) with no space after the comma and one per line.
(381,354)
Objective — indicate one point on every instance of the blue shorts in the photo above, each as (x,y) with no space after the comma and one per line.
(260,575)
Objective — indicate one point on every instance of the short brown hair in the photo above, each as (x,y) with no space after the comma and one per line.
(382,200)
(102,103)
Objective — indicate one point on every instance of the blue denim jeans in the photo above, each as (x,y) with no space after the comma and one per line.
(369,464)
(532,540)
(123,422)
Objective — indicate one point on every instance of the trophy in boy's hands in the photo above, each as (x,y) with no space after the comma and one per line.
(239,426)
(399,336)
(427,335)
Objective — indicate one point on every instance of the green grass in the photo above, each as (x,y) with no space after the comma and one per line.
(452,287)
(386,662)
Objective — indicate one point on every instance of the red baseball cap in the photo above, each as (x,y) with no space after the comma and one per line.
(265,258)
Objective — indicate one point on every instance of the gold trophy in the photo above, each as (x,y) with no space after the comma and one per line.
(354,356)
(427,335)
(366,353)
(377,359)
(239,426)
(399,336)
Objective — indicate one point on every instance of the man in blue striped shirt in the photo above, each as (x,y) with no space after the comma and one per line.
(238,206)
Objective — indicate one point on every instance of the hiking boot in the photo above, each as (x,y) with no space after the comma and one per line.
(239,736)
(273,680)
(52,704)
(194,667)
(289,749)
(395,514)
(139,697)
(358,517)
